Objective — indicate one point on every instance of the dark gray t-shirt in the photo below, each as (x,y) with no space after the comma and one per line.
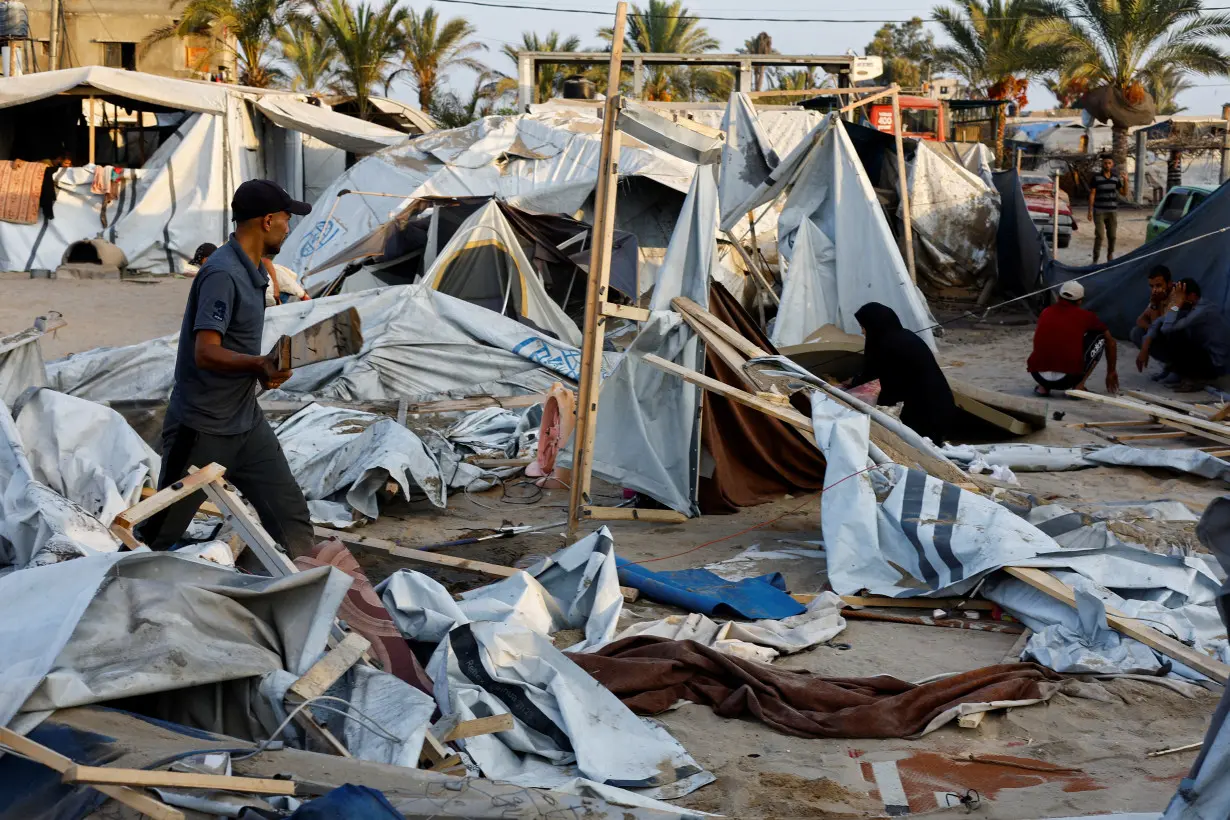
(228,295)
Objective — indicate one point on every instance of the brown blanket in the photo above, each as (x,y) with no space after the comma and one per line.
(20,185)
(651,674)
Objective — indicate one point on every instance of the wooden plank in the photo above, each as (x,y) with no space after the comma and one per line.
(1031,411)
(903,184)
(1162,414)
(324,738)
(479,726)
(1147,436)
(1098,424)
(207,507)
(722,349)
(55,761)
(1014,652)
(782,413)
(971,721)
(1169,403)
(474,403)
(143,778)
(615,311)
(326,671)
(275,562)
(814,92)
(735,339)
(905,603)
(632,514)
(1188,429)
(1141,631)
(990,415)
(876,94)
(590,380)
(161,499)
(331,338)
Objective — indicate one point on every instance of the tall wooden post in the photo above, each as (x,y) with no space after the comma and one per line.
(91,129)
(903,184)
(1055,216)
(595,295)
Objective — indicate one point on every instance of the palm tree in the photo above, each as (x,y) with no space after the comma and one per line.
(1165,88)
(431,46)
(664,26)
(801,79)
(550,77)
(245,29)
(990,50)
(762,43)
(310,52)
(367,39)
(1126,45)
(450,111)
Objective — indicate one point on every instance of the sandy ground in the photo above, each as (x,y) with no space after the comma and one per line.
(1131,234)
(1067,757)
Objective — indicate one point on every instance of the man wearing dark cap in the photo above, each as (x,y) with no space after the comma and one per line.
(213,415)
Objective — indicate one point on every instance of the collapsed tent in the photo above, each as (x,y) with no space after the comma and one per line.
(178,152)
(1192,247)
(417,342)
(546,163)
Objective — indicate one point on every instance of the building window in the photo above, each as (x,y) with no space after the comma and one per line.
(120,55)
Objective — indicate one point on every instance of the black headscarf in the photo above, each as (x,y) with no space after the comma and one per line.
(907,371)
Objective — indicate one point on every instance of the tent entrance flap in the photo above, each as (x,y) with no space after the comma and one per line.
(483,272)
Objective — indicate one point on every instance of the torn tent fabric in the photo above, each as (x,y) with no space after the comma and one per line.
(567,723)
(1040,458)
(21,364)
(575,588)
(38,525)
(416,342)
(650,675)
(758,640)
(335,452)
(810,294)
(123,624)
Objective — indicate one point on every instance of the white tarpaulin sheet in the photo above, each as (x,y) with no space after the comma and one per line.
(416,342)
(335,452)
(576,588)
(1040,458)
(110,626)
(37,524)
(348,133)
(86,452)
(21,364)
(208,98)
(810,296)
(542,162)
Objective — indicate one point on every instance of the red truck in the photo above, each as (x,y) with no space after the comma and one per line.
(1039,191)
(921,118)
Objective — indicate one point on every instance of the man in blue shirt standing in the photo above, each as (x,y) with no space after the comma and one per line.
(213,415)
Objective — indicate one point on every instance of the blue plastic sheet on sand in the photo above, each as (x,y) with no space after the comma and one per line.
(699,590)
(348,802)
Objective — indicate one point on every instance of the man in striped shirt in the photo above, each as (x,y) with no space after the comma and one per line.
(1104,190)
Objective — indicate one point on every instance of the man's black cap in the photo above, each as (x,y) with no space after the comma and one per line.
(259,197)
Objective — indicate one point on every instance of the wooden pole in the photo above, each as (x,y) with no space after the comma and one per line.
(903,184)
(91,129)
(590,381)
(1055,217)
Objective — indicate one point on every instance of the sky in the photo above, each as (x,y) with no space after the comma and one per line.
(497,26)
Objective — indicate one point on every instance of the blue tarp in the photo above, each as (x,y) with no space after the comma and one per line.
(1119,294)
(348,802)
(699,590)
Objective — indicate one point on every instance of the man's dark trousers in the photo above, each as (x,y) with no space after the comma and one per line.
(254,463)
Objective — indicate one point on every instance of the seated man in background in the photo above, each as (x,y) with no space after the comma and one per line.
(1192,339)
(1159,296)
(1068,344)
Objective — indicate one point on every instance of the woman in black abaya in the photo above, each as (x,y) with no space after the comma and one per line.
(907,371)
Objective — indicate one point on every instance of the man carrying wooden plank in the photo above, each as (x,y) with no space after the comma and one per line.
(213,415)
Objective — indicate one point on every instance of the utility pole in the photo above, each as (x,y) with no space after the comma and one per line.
(54,45)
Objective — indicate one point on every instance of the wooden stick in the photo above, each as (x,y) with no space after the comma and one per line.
(906,603)
(1147,436)
(1215,669)
(1141,423)
(326,671)
(634,314)
(106,776)
(590,382)
(108,182)
(632,514)
(811,92)
(57,762)
(753,269)
(1185,748)
(479,726)
(971,721)
(1161,413)
(730,335)
(1014,652)
(1188,429)
(1173,404)
(161,499)
(435,558)
(207,507)
(902,184)
(876,94)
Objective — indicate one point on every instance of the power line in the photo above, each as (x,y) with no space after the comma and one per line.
(759,19)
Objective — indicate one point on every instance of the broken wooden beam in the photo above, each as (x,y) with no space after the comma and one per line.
(333,337)
(156,778)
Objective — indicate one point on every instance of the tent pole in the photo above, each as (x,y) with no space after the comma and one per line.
(91,129)
(903,184)
(590,380)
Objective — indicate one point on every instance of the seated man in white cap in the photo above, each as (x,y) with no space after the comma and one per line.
(1068,344)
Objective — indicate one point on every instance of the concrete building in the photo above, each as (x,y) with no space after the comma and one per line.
(110,33)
